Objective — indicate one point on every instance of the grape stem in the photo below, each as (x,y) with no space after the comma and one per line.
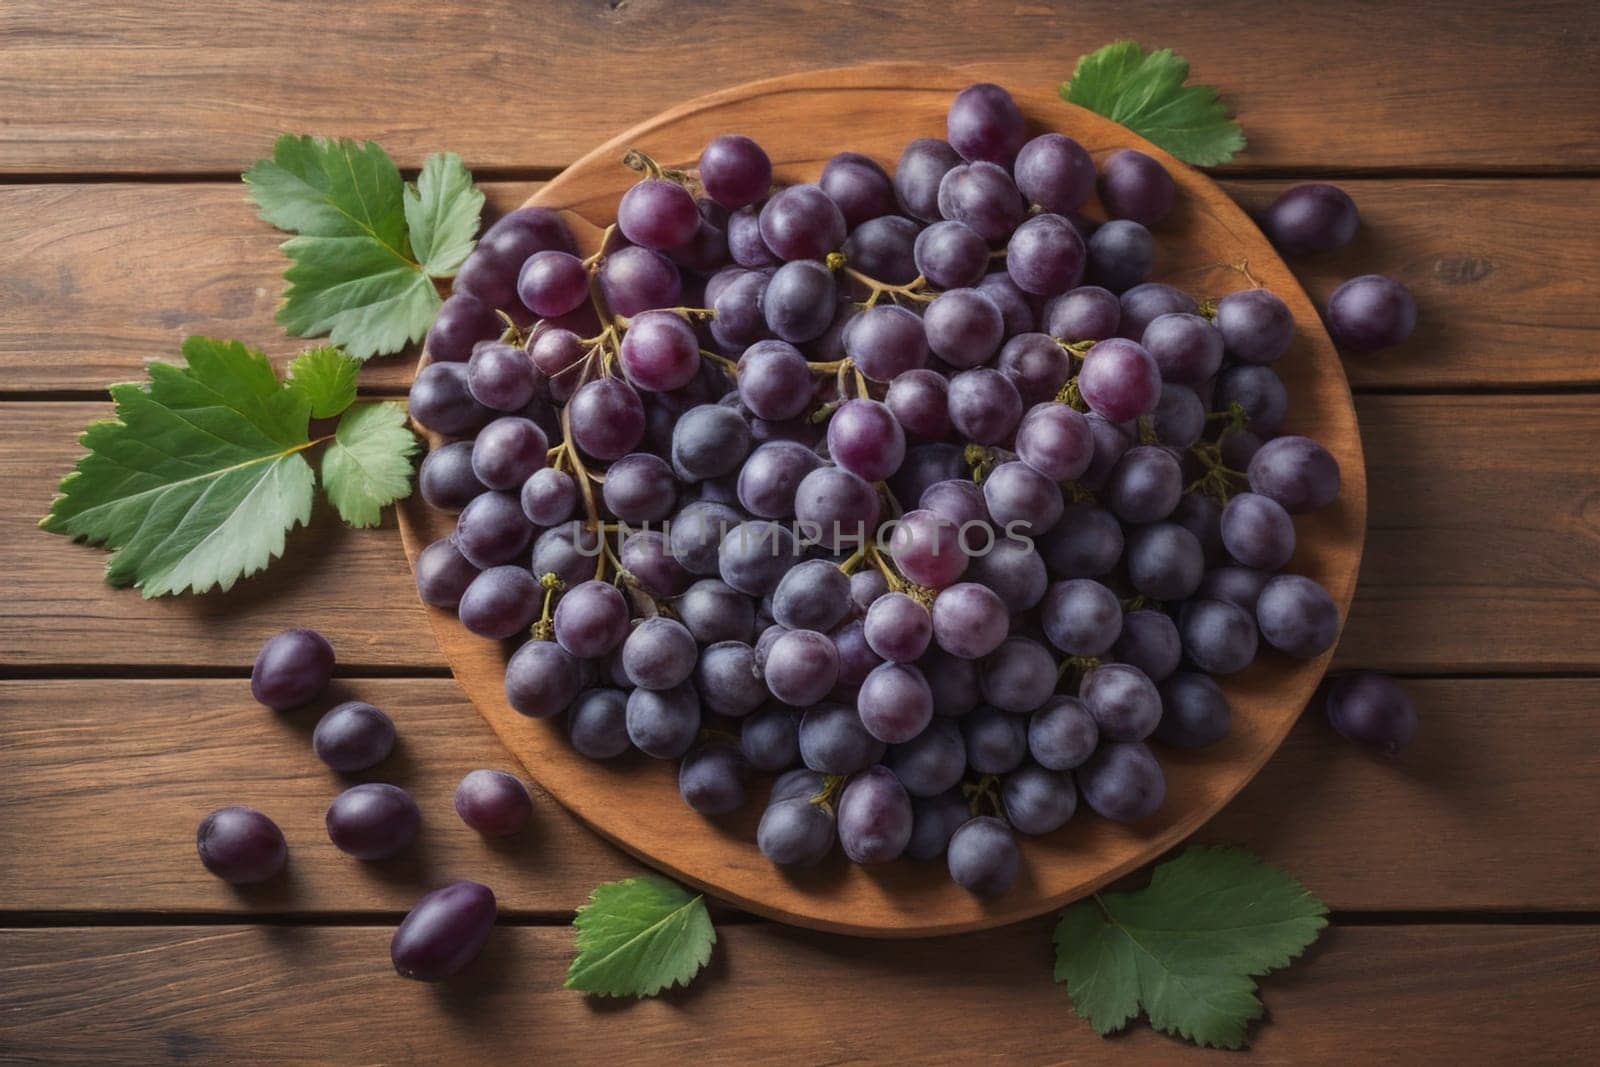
(1074,668)
(726,365)
(544,630)
(1071,394)
(829,793)
(636,160)
(985,788)
(915,290)
(849,564)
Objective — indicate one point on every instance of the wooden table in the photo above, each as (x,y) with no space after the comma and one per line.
(1465,878)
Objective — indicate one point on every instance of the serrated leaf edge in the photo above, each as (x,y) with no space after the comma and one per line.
(702,958)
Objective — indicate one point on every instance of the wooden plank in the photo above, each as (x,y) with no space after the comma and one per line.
(1481,524)
(1404,994)
(1498,265)
(1477,815)
(89,89)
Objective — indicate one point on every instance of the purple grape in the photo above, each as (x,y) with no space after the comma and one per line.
(1297,616)
(1021,500)
(1086,542)
(714,611)
(445,478)
(1019,676)
(755,556)
(711,778)
(884,248)
(1218,636)
(353,736)
(1036,365)
(1134,186)
(500,602)
(1087,313)
(462,322)
(920,402)
(1296,472)
(660,653)
(634,279)
(1179,419)
(646,556)
(983,196)
(490,272)
(1037,800)
(833,741)
(744,240)
(895,703)
(1186,348)
(1309,218)
(1081,617)
(985,123)
(774,380)
(1150,642)
(922,166)
(443,574)
(597,724)
(553,283)
(1257,532)
(969,621)
(1145,485)
(1056,441)
(801,222)
(1145,303)
(1120,380)
(997,741)
(1372,710)
(492,529)
(1055,172)
(1123,782)
(1120,255)
(542,679)
(951,255)
(735,171)
(292,669)
(501,377)
(1045,256)
(770,738)
(926,548)
(800,300)
(1194,711)
(373,821)
(494,803)
(865,439)
(835,508)
(591,619)
(859,186)
(814,595)
(443,932)
(1016,313)
(1256,326)
(240,845)
(1164,561)
(606,418)
(964,327)
(795,832)
(440,400)
(1123,701)
(898,628)
(932,762)
(709,441)
(983,857)
(660,352)
(663,724)
(1258,391)
(1371,312)
(985,406)
(656,213)
(874,817)
(1062,734)
(771,477)
(885,342)
(801,667)
(508,451)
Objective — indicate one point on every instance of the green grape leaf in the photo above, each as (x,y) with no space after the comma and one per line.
(1187,947)
(368,463)
(326,377)
(442,211)
(198,478)
(1144,91)
(638,936)
(352,274)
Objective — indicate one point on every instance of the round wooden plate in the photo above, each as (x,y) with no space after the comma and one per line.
(802,120)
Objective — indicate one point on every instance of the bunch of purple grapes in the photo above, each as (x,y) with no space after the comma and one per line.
(910,489)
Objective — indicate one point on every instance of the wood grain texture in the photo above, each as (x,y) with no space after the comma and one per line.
(1476,816)
(1213,249)
(1500,268)
(1484,546)
(216,995)
(89,87)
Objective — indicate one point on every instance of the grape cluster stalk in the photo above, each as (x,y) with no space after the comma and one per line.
(906,487)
